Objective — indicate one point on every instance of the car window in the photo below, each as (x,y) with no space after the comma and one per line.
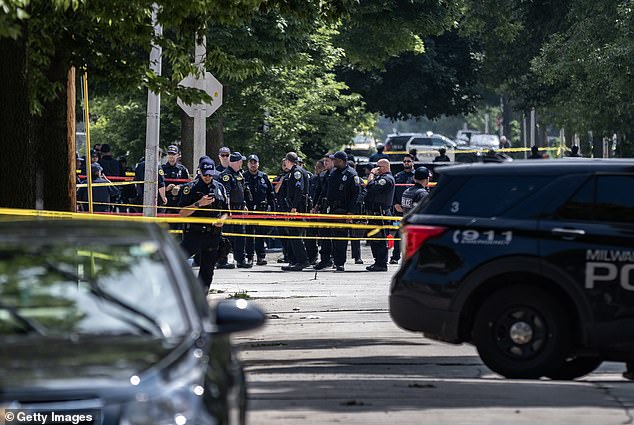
(602,198)
(398,142)
(614,198)
(488,196)
(580,206)
(70,288)
(421,141)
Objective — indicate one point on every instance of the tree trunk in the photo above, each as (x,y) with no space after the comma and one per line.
(17,162)
(52,147)
(215,139)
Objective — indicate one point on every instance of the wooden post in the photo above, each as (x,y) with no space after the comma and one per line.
(70,125)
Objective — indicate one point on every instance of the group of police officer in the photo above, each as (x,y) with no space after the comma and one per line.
(337,190)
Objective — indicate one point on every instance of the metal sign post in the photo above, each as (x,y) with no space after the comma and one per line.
(199,112)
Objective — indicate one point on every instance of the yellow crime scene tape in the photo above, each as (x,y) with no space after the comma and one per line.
(457,151)
(275,213)
(335,238)
(110,184)
(373,229)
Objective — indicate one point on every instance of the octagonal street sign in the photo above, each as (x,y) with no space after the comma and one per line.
(211,86)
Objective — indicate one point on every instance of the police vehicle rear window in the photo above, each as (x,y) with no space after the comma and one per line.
(602,198)
(488,196)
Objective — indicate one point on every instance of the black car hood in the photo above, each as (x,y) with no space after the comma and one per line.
(92,364)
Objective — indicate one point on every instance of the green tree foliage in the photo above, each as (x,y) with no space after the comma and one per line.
(593,58)
(441,81)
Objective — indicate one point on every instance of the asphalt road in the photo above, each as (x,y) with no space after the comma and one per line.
(329,353)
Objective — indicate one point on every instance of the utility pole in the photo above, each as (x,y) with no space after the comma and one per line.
(200,118)
(70,137)
(532,127)
(152,127)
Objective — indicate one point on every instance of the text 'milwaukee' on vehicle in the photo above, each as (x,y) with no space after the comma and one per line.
(106,319)
(530,261)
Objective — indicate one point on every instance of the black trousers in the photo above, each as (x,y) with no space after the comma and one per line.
(206,244)
(311,244)
(252,244)
(296,250)
(339,247)
(237,242)
(326,245)
(379,248)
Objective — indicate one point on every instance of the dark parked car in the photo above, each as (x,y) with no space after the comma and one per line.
(532,262)
(106,319)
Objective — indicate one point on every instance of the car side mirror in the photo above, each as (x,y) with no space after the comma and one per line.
(236,316)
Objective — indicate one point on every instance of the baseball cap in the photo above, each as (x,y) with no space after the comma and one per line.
(253,157)
(95,168)
(339,155)
(206,168)
(292,157)
(204,158)
(236,156)
(421,173)
(224,149)
(172,149)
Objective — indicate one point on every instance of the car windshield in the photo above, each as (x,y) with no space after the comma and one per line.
(61,289)
(397,142)
(485,140)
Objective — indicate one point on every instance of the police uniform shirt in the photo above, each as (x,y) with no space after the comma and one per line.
(261,189)
(380,192)
(176,171)
(100,195)
(139,175)
(403,177)
(233,182)
(412,196)
(297,186)
(343,190)
(195,190)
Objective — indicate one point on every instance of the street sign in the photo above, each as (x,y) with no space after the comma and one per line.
(211,86)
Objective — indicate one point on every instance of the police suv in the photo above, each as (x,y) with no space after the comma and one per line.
(530,261)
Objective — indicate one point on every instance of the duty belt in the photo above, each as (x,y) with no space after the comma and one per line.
(201,228)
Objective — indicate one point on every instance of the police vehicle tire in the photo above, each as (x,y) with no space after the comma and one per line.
(575,367)
(521,332)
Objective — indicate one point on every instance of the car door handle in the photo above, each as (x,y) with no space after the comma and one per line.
(568,233)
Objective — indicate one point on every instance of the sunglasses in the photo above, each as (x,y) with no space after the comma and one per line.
(224,154)
(407,162)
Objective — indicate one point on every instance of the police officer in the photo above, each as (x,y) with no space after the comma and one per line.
(233,180)
(296,196)
(203,197)
(343,191)
(311,241)
(378,154)
(102,196)
(414,194)
(378,201)
(262,199)
(173,170)
(403,177)
(139,175)
(321,207)
(442,157)
(223,156)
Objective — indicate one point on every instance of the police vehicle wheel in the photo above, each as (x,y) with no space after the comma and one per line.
(575,367)
(522,332)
